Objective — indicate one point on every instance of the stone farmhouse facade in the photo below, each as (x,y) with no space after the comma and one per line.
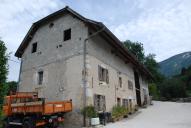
(52,65)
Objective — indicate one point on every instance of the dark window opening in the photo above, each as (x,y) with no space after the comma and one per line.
(120,82)
(34,47)
(118,102)
(67,34)
(40,77)
(103,74)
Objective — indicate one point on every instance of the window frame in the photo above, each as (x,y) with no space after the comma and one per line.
(120,82)
(103,74)
(34,47)
(118,101)
(130,85)
(40,77)
(99,102)
(67,34)
(125,103)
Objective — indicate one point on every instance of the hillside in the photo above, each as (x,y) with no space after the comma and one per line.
(173,65)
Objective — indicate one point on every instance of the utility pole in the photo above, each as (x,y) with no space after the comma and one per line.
(85,72)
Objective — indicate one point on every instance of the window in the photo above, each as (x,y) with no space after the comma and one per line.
(130,85)
(34,47)
(51,25)
(67,34)
(99,102)
(125,103)
(40,77)
(118,102)
(120,82)
(103,74)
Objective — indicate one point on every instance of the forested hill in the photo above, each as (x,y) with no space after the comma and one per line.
(173,65)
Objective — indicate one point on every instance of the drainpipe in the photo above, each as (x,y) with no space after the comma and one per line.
(85,72)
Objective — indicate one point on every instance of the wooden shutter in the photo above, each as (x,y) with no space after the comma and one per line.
(107,76)
(95,102)
(99,73)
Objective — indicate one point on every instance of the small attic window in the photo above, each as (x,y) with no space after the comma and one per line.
(67,34)
(51,25)
(34,47)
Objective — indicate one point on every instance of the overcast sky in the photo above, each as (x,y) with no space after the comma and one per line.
(163,26)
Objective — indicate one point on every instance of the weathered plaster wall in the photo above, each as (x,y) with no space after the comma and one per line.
(62,65)
(144,86)
(99,52)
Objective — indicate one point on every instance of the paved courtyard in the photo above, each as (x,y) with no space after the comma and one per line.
(160,115)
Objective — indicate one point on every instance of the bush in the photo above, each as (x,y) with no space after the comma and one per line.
(90,111)
(119,111)
(153,91)
(172,88)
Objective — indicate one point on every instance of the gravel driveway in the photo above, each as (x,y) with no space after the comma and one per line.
(160,115)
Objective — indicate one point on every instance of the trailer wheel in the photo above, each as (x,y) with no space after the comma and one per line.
(55,125)
(6,124)
(28,124)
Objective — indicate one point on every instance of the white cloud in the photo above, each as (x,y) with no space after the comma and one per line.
(16,18)
(163,26)
(164,31)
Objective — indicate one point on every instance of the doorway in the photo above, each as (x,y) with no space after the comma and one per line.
(137,87)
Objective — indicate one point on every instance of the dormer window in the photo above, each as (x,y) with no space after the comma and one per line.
(67,34)
(34,47)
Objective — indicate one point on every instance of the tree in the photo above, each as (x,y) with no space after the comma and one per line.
(172,88)
(3,70)
(151,64)
(11,87)
(153,91)
(136,48)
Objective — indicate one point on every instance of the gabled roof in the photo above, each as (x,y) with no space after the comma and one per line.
(106,32)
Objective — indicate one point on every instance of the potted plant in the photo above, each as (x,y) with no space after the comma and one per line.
(119,112)
(92,115)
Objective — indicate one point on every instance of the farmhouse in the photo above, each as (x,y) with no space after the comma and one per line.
(65,52)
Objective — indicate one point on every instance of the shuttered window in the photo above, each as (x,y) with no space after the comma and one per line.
(125,103)
(120,82)
(130,85)
(99,102)
(103,74)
